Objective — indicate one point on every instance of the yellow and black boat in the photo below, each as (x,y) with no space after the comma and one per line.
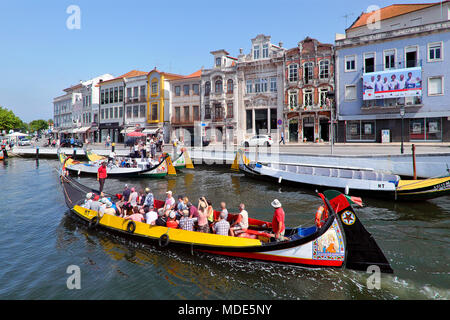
(339,241)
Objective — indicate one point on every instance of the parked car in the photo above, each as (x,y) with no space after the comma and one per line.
(258,140)
(65,143)
(24,142)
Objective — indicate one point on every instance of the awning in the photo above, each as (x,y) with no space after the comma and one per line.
(151,131)
(81,130)
(128,130)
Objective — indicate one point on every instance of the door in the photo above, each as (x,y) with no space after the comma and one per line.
(293,130)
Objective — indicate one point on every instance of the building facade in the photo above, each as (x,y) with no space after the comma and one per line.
(309,76)
(392,72)
(185,107)
(219,103)
(261,89)
(135,115)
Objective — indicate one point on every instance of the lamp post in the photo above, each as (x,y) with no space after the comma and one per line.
(402,114)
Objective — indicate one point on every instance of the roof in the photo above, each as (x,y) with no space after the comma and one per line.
(169,76)
(392,11)
(131,74)
(196,74)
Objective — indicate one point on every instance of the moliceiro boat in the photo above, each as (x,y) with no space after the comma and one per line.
(339,241)
(357,181)
(183,160)
(141,169)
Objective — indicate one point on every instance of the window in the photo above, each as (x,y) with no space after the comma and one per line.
(154,111)
(102,101)
(177,91)
(135,112)
(324,69)
(308,67)
(154,87)
(102,114)
(350,92)
(308,98)
(196,113)
(273,84)
(186,89)
(186,113)
(257,85)
(116,112)
(249,120)
(120,112)
(116,94)
(435,52)
(196,88)
(128,93)
(411,57)
(207,112)
(265,51)
(218,62)
(218,86)
(264,85)
(107,113)
(218,112)
(323,97)
(256,52)
(249,86)
(293,99)
(106,96)
(360,130)
(350,63)
(293,73)
(389,59)
(120,94)
(178,114)
(207,88)
(135,92)
(435,86)
(142,91)
(230,110)
(142,108)
(111,95)
(369,62)
(230,86)
(129,112)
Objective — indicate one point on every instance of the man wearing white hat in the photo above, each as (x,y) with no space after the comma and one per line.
(169,204)
(278,227)
(88,201)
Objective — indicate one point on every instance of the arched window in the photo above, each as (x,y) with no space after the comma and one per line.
(308,71)
(324,69)
(207,88)
(218,86)
(230,86)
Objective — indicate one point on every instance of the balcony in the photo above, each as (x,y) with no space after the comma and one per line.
(182,121)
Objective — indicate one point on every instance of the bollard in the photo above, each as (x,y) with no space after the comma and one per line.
(74,153)
(413,147)
(37,153)
(113,146)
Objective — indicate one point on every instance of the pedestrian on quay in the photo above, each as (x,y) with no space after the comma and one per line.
(282,138)
(102,175)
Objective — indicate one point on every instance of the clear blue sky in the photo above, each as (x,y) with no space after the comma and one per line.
(40,56)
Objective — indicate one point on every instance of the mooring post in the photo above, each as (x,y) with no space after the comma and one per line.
(37,153)
(74,153)
(413,147)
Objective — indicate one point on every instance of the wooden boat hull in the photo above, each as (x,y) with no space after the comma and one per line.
(312,247)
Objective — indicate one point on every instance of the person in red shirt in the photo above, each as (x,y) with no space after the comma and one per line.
(278,227)
(101,175)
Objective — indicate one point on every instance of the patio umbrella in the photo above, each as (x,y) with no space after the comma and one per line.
(136,134)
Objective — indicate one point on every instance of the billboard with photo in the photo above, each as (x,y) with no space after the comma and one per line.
(397,83)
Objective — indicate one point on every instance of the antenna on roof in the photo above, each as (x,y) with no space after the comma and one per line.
(346,16)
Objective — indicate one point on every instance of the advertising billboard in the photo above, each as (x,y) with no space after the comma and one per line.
(397,83)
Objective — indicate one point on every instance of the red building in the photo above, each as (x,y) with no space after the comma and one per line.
(309,76)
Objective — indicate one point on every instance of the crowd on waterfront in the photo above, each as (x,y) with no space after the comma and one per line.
(140,206)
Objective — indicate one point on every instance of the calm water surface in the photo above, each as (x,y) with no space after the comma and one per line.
(39,239)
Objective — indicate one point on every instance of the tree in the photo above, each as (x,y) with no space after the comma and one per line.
(38,125)
(9,121)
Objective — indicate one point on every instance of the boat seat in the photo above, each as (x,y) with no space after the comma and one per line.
(303,232)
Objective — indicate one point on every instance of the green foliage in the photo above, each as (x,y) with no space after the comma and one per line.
(37,125)
(9,121)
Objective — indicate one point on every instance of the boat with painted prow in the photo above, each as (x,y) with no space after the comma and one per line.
(357,181)
(339,241)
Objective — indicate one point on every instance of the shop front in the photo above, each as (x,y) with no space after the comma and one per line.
(111,129)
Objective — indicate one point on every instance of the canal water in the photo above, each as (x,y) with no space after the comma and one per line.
(40,239)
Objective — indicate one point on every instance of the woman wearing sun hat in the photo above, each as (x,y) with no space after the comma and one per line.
(278,227)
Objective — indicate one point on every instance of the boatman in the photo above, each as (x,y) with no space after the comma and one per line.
(278,220)
(101,175)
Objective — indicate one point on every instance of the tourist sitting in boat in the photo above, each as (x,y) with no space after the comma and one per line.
(95,204)
(186,221)
(193,211)
(180,205)
(133,197)
(109,209)
(223,208)
(135,216)
(134,164)
(172,221)
(202,221)
(278,226)
(222,226)
(149,199)
(161,221)
(150,215)
(210,212)
(88,201)
(241,223)
(169,204)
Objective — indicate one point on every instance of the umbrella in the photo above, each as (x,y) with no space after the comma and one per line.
(136,134)
(16,134)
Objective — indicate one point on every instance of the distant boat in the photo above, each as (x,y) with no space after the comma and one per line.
(357,181)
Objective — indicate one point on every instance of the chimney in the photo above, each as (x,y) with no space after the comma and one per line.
(280,44)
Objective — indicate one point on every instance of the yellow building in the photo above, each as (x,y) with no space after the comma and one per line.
(158,100)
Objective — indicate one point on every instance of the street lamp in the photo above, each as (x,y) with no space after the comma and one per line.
(402,114)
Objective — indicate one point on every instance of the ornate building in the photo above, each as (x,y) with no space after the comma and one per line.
(309,76)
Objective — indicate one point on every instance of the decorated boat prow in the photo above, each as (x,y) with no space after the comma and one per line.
(183,160)
(338,241)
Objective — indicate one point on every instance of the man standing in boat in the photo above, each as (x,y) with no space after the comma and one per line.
(101,175)
(278,227)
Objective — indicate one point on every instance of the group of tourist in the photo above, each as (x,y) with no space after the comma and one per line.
(140,206)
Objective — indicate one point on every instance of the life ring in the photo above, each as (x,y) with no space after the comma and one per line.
(321,215)
(164,240)
(94,222)
(131,227)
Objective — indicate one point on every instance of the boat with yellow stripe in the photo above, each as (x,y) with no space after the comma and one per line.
(357,181)
(341,241)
